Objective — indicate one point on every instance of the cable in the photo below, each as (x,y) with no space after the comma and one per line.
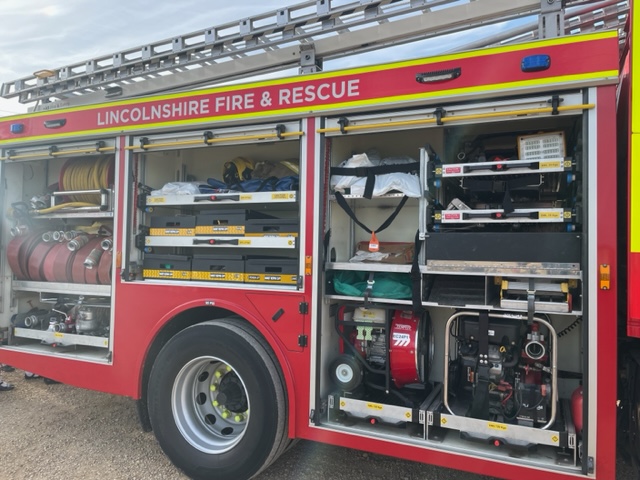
(566,330)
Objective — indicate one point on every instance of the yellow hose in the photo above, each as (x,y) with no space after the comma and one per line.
(42,211)
(86,174)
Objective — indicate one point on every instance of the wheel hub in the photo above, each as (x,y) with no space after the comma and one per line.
(210,405)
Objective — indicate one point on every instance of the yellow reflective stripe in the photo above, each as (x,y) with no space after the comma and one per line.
(634,200)
(635,81)
(167,274)
(572,39)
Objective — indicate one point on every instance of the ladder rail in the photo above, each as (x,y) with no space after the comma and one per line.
(264,43)
(211,44)
(407,29)
(611,14)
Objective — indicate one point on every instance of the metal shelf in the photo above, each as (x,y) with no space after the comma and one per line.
(375,300)
(227,241)
(369,267)
(511,269)
(63,288)
(236,198)
(502,167)
(62,214)
(61,339)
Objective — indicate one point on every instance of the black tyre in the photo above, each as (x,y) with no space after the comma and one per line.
(217,401)
(346,373)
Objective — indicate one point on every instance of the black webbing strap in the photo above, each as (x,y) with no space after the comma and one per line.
(369,290)
(416,291)
(480,404)
(483,337)
(345,206)
(531,300)
(325,247)
(371,172)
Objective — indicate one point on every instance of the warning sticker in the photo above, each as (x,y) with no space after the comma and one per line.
(497,426)
(550,215)
(550,164)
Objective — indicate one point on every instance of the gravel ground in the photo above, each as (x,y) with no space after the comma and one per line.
(58,432)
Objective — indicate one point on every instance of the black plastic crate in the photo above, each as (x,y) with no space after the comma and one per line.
(218,268)
(276,226)
(167,267)
(176,225)
(227,222)
(279,271)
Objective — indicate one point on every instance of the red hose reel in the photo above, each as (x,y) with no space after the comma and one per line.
(31,258)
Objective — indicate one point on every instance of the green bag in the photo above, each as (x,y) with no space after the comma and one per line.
(386,284)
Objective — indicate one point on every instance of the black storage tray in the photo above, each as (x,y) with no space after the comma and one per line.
(227,222)
(171,267)
(218,268)
(530,247)
(271,270)
(174,221)
(276,226)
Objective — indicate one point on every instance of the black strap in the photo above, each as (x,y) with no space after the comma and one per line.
(496,186)
(369,290)
(371,172)
(345,206)
(325,247)
(480,404)
(416,290)
(531,300)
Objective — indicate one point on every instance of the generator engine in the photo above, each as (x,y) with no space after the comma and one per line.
(505,371)
(382,349)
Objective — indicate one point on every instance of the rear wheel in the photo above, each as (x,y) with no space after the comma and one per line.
(217,402)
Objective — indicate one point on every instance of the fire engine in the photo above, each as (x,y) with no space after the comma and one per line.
(433,258)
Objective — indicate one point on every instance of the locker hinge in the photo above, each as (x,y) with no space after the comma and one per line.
(303,308)
(302,340)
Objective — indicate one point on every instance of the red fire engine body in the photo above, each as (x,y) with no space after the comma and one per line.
(222,257)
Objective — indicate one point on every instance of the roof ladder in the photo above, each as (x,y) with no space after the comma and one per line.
(303,35)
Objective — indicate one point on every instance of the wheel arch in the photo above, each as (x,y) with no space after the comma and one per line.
(197,313)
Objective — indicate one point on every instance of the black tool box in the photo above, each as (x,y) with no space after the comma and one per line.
(167,267)
(271,270)
(218,268)
(275,226)
(173,226)
(227,222)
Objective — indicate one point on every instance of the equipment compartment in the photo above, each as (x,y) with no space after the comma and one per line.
(491,291)
(58,239)
(238,199)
